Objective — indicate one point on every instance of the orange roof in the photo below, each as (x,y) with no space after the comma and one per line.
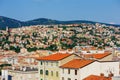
(54,57)
(97,56)
(89,48)
(77,63)
(95,77)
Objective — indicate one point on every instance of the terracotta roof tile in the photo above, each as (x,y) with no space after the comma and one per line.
(77,63)
(89,48)
(54,57)
(95,77)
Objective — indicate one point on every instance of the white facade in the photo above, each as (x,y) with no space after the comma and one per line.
(92,68)
(4,75)
(23,75)
(107,67)
(93,51)
(64,74)
(116,78)
(20,74)
(95,68)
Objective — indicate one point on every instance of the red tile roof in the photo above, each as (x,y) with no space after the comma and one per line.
(55,57)
(97,56)
(89,48)
(77,63)
(95,77)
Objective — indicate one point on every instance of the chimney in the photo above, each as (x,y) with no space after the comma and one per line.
(110,75)
(102,74)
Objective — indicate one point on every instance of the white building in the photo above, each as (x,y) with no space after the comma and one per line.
(4,75)
(26,73)
(116,78)
(78,69)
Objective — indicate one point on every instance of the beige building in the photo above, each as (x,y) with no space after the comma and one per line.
(49,65)
(79,69)
(117,52)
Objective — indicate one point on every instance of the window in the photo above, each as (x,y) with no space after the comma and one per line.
(75,72)
(41,63)
(62,78)
(69,78)
(68,71)
(41,71)
(75,79)
(51,73)
(57,73)
(3,78)
(63,70)
(46,72)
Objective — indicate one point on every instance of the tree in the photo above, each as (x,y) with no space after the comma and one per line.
(31,49)
(16,49)
(113,38)
(52,47)
(34,34)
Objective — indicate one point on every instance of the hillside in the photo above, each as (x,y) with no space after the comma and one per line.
(12,23)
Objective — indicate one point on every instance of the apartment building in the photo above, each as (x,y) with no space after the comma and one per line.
(78,69)
(49,65)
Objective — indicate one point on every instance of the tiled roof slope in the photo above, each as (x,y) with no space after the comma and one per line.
(95,77)
(54,57)
(97,56)
(77,63)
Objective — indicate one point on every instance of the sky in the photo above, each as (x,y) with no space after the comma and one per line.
(107,11)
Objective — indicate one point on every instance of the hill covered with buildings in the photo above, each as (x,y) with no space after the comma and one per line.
(56,37)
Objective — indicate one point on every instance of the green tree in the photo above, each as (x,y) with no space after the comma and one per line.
(31,49)
(52,47)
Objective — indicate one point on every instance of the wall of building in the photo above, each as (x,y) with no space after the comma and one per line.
(51,66)
(67,59)
(97,68)
(64,74)
(107,58)
(4,74)
(82,73)
(90,69)
(93,51)
(117,53)
(107,67)
(116,78)
(21,75)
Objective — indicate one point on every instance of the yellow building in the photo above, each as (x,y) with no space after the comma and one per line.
(49,65)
